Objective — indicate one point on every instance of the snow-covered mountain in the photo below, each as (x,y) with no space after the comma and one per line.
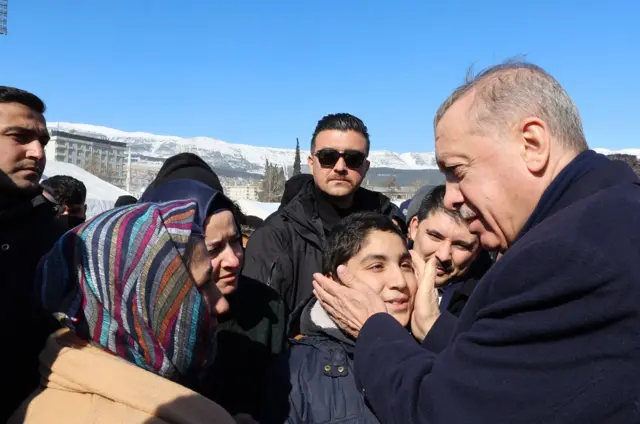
(242,157)
(223,155)
(632,152)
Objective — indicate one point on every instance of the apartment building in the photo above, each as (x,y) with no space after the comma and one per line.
(105,159)
(242,192)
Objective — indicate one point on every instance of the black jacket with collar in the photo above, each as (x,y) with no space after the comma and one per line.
(286,250)
(28,229)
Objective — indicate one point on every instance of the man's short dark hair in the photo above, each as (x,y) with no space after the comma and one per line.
(434,202)
(348,237)
(250,225)
(341,122)
(66,190)
(15,95)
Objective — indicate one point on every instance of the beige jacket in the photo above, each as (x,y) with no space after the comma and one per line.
(83,384)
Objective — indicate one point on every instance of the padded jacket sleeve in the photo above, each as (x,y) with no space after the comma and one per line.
(267,259)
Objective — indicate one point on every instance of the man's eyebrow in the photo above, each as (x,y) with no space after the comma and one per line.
(435,233)
(17,128)
(374,257)
(465,243)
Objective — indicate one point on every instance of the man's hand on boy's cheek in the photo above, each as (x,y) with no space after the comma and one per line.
(350,303)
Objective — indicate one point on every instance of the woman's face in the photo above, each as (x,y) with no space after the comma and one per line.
(224,246)
(202,274)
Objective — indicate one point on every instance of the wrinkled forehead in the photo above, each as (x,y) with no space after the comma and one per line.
(454,128)
(220,226)
(16,114)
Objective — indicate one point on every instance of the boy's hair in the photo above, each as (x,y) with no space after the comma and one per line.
(66,190)
(348,237)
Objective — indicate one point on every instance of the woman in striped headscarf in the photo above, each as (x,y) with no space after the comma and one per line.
(133,288)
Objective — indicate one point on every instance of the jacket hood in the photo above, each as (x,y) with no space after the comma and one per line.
(293,186)
(314,321)
(73,366)
(186,166)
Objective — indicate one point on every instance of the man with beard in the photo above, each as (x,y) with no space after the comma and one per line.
(70,195)
(550,334)
(287,249)
(27,231)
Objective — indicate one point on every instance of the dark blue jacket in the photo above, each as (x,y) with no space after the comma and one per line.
(551,333)
(314,382)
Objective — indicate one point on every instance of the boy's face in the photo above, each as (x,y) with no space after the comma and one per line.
(384,264)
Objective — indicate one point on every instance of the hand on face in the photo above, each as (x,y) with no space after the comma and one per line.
(351,303)
(425,309)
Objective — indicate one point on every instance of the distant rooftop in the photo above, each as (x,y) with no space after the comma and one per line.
(64,134)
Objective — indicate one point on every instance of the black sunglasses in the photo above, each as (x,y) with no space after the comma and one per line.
(329,157)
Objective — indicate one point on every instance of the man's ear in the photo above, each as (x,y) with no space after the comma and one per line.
(366,166)
(536,144)
(310,164)
(413,228)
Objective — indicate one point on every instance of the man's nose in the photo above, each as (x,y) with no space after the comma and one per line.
(397,279)
(453,198)
(230,259)
(443,254)
(35,150)
(340,166)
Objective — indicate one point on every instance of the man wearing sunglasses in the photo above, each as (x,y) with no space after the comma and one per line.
(287,249)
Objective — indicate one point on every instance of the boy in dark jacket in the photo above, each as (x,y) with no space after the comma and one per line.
(314,382)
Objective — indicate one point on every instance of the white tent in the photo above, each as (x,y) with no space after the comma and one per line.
(101,195)
(259,209)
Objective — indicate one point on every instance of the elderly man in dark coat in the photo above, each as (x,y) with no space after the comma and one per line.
(552,332)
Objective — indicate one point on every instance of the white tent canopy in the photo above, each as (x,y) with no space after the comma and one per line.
(101,195)
(259,209)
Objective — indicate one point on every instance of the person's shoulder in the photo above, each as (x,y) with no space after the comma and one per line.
(576,252)
(254,302)
(253,292)
(310,350)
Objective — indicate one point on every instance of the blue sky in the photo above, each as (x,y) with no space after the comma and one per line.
(263,72)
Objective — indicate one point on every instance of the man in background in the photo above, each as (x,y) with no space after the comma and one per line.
(28,229)
(70,195)
(443,234)
(550,334)
(287,249)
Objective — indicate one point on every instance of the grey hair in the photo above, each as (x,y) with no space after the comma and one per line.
(515,89)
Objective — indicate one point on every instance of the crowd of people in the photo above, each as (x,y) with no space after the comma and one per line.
(508,294)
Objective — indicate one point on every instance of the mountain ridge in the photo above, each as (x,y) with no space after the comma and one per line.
(224,155)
